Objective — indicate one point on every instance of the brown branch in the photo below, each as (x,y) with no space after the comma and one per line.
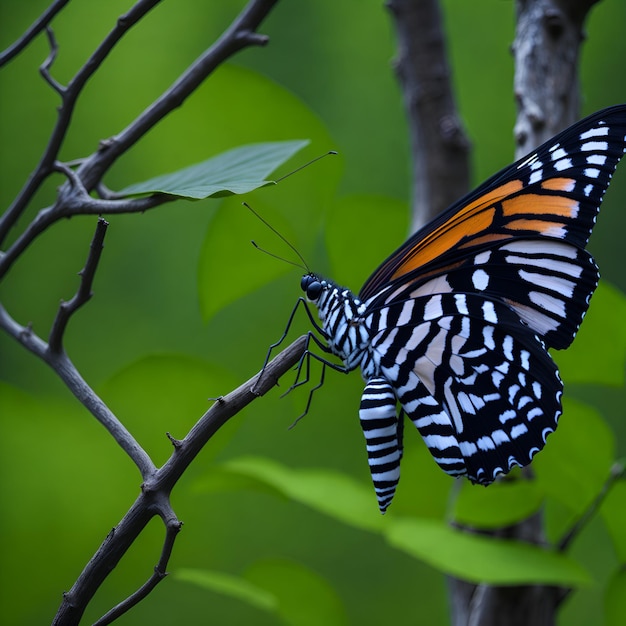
(40,24)
(439,146)
(44,70)
(74,199)
(546,50)
(548,36)
(82,296)
(154,499)
(241,34)
(68,373)
(70,96)
(172,528)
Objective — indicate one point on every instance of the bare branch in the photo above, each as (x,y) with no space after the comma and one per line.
(439,146)
(70,96)
(44,70)
(239,35)
(156,489)
(41,23)
(66,370)
(172,528)
(84,293)
(76,202)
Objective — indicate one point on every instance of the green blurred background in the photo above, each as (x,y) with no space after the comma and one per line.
(177,318)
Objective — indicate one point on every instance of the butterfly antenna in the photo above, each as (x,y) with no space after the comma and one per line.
(305,165)
(280,258)
(304,265)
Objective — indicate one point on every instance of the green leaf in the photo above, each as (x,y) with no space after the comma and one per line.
(326,491)
(304,597)
(500,504)
(614,515)
(168,393)
(598,354)
(577,459)
(236,171)
(480,559)
(229,267)
(615,599)
(247,268)
(228,585)
(372,225)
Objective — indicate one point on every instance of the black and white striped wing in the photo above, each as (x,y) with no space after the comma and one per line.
(520,236)
(475,380)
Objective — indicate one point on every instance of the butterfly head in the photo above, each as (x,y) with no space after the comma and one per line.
(313,286)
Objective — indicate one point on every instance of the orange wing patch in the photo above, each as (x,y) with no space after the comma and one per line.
(471,222)
(533,203)
(548,229)
(559,184)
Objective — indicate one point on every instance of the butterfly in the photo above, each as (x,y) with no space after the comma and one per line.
(456,324)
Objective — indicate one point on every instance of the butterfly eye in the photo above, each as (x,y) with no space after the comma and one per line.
(311,286)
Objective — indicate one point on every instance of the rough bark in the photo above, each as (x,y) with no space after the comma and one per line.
(439,146)
(548,37)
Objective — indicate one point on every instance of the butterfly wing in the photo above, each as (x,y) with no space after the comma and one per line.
(526,227)
(476,382)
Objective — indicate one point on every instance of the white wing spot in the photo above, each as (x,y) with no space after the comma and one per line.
(489,313)
(518,430)
(594,132)
(595,146)
(480,279)
(433,309)
(563,164)
(596,159)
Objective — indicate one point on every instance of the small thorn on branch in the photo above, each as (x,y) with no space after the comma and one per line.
(253,38)
(177,443)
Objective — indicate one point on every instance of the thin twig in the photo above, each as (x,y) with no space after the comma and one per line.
(618,471)
(172,528)
(161,482)
(41,23)
(69,96)
(239,35)
(66,370)
(44,69)
(83,294)
(72,205)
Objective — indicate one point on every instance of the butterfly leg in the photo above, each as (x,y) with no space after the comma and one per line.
(301,302)
(383,437)
(306,358)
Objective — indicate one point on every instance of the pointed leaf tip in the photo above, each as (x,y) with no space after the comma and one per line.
(237,171)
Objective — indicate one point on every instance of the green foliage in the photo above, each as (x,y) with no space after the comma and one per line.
(472,557)
(481,559)
(332,493)
(237,171)
(293,594)
(598,355)
(185,308)
(615,600)
(502,504)
(233,586)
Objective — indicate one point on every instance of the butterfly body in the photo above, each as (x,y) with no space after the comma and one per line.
(456,324)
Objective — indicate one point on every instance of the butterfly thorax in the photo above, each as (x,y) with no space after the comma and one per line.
(341,314)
